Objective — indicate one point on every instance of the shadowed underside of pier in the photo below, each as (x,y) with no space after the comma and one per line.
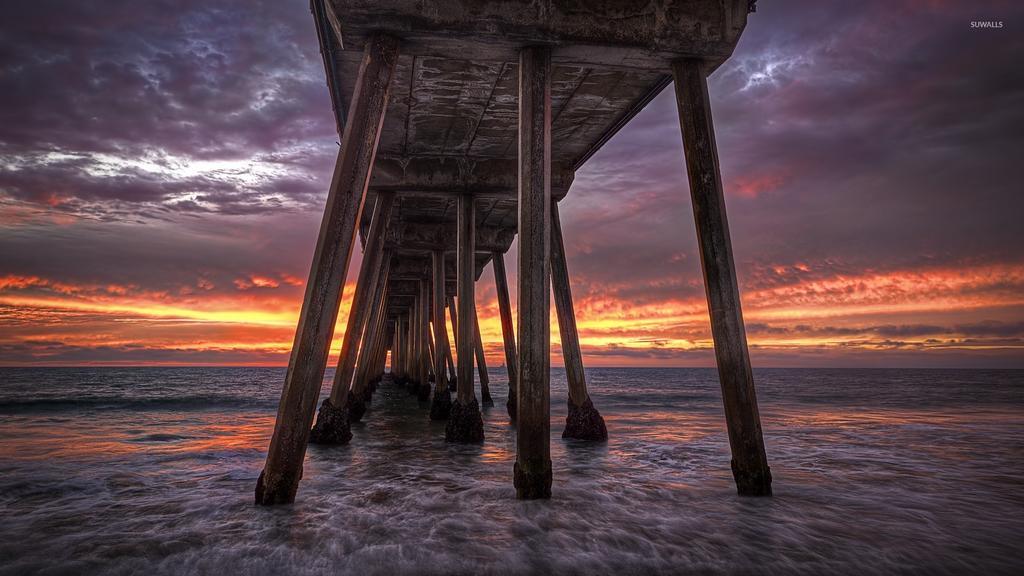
(462,124)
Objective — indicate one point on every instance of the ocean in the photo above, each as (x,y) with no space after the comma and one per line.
(152,471)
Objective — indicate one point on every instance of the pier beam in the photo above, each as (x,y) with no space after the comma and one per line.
(423,327)
(583,422)
(448,359)
(532,471)
(332,427)
(415,341)
(465,423)
(508,330)
(396,352)
(379,360)
(442,402)
(359,396)
(453,385)
(481,364)
(279,480)
(749,462)
(408,354)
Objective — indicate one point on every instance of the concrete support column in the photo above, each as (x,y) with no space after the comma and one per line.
(416,339)
(332,423)
(465,423)
(449,360)
(583,422)
(367,287)
(455,332)
(380,368)
(749,462)
(423,328)
(481,364)
(397,372)
(279,480)
(442,402)
(375,368)
(367,354)
(409,353)
(508,330)
(430,345)
(532,472)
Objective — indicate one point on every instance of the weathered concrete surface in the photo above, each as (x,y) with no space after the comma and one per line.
(584,422)
(465,423)
(532,471)
(332,425)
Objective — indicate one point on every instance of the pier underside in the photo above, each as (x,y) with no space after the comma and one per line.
(462,124)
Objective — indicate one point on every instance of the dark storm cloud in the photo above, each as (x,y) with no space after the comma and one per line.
(89,90)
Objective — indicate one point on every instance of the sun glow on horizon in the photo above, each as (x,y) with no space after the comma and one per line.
(253,323)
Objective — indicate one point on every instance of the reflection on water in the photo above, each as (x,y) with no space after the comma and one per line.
(152,471)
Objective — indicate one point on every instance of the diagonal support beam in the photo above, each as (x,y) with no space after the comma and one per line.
(481,364)
(583,421)
(367,286)
(279,480)
(371,334)
(749,462)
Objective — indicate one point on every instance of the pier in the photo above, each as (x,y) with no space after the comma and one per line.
(462,124)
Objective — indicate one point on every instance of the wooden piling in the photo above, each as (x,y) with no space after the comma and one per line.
(465,423)
(508,330)
(749,462)
(279,480)
(583,421)
(532,471)
(442,402)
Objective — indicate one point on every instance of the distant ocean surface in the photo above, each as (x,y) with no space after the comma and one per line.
(152,471)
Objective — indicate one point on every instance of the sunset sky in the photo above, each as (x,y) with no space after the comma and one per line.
(164,166)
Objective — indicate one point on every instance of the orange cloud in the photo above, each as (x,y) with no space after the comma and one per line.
(804,311)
